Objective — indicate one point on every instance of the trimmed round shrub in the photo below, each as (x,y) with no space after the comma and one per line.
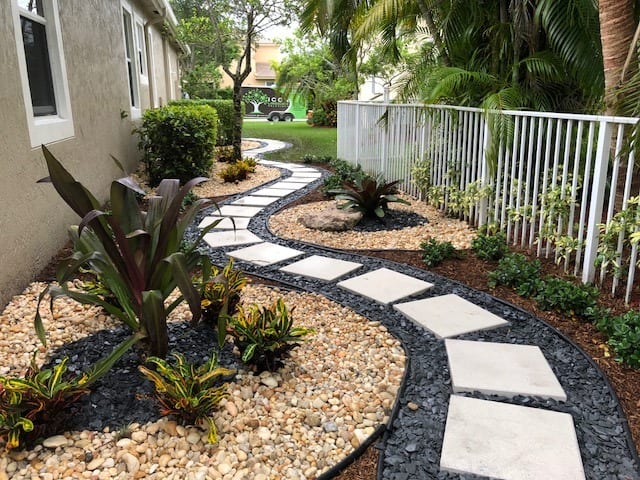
(177,141)
(224,109)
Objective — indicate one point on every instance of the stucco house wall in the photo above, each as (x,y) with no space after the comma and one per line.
(33,219)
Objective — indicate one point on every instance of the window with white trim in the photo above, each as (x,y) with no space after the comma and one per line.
(42,70)
(130,56)
(141,50)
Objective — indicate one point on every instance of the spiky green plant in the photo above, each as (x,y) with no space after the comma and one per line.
(369,195)
(187,391)
(136,254)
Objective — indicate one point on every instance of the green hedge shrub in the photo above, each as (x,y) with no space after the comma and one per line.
(567,298)
(624,336)
(343,172)
(516,271)
(224,108)
(177,141)
(435,252)
(490,247)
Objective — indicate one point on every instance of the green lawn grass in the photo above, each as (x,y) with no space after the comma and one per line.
(305,139)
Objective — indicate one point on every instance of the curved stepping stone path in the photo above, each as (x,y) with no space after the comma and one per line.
(501,438)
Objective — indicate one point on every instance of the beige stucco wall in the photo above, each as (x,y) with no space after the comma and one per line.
(33,219)
(262,53)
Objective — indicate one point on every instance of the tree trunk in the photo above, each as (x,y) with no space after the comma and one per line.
(237,119)
(617,27)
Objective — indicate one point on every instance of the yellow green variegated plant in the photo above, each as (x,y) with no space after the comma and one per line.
(137,254)
(220,296)
(31,405)
(189,392)
(265,334)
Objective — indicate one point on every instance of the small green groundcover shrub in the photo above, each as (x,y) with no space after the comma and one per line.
(343,173)
(516,271)
(624,335)
(489,246)
(311,158)
(177,141)
(566,297)
(224,109)
(435,252)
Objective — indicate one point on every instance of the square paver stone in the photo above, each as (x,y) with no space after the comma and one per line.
(238,211)
(509,442)
(274,192)
(449,315)
(501,369)
(292,184)
(230,237)
(238,223)
(252,200)
(286,186)
(385,286)
(321,268)
(265,253)
(307,175)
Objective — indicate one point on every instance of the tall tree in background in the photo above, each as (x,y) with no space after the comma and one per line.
(617,26)
(539,54)
(232,31)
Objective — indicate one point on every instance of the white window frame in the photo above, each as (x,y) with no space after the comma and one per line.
(141,52)
(134,103)
(59,126)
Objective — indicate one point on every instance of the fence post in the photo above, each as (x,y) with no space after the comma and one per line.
(484,177)
(597,200)
(357,133)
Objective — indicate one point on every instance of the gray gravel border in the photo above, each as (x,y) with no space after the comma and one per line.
(410,448)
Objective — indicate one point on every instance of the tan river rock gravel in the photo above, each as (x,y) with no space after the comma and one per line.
(286,223)
(332,393)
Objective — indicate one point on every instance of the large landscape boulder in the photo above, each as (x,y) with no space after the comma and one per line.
(331,219)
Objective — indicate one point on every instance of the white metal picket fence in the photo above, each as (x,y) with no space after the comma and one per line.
(550,184)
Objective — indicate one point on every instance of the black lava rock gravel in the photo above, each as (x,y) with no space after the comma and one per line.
(410,448)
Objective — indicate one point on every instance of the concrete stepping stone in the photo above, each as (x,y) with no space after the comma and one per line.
(265,254)
(238,223)
(287,186)
(230,237)
(238,211)
(449,315)
(501,369)
(295,183)
(321,268)
(385,286)
(252,200)
(305,175)
(509,442)
(274,192)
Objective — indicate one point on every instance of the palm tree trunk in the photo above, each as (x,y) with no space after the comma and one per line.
(617,27)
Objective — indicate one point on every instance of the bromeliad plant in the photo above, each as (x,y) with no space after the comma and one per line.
(186,391)
(265,334)
(369,195)
(220,296)
(31,406)
(135,253)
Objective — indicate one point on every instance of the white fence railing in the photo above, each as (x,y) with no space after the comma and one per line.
(550,182)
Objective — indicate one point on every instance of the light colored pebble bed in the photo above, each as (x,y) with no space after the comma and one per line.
(332,393)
